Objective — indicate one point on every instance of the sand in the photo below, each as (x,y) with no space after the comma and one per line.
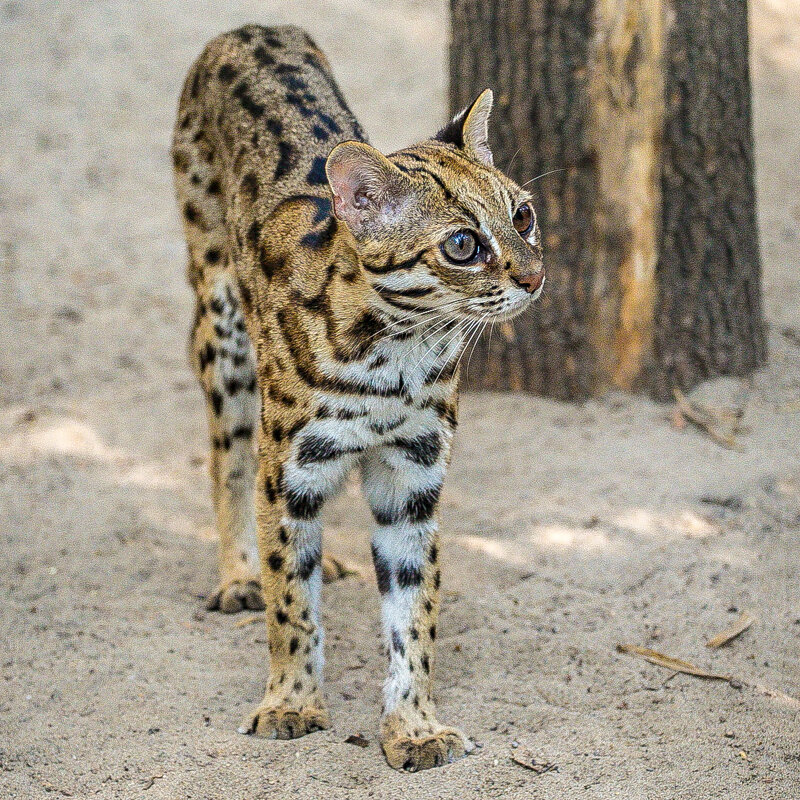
(566,529)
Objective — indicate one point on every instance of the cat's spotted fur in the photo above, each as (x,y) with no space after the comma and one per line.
(329,326)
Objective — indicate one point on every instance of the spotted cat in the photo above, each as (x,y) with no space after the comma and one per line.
(337,289)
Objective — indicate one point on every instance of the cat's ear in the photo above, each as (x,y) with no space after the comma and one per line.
(469,129)
(367,188)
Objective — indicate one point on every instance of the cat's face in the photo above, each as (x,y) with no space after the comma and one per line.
(437,226)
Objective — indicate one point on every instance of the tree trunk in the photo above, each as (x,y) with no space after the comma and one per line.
(649,225)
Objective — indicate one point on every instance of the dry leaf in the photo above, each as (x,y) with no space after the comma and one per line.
(719,424)
(676,664)
(525,758)
(741,625)
(334,569)
(357,739)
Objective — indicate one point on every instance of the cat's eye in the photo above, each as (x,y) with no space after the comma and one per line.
(462,247)
(523,219)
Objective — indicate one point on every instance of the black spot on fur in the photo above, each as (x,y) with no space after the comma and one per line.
(206,355)
(213,255)
(386,516)
(437,580)
(214,187)
(422,449)
(432,632)
(242,432)
(242,94)
(254,234)
(191,213)
(227,73)
(295,428)
(309,669)
(283,535)
(364,331)
(216,401)
(300,103)
(320,133)
(397,643)
(286,159)
(421,505)
(408,576)
(294,82)
(275,561)
(294,643)
(281,616)
(383,571)
(327,120)
(269,489)
(298,686)
(314,449)
(317,176)
(322,204)
(249,186)
(318,239)
(414,634)
(274,126)
(308,563)
(433,554)
(263,57)
(303,503)
(426,663)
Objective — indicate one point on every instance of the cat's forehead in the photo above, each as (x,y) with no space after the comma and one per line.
(457,179)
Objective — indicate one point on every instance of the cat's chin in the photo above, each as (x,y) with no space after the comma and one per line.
(519,305)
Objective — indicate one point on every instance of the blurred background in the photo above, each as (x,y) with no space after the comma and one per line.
(570,525)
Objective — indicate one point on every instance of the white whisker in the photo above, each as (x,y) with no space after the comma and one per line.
(543,175)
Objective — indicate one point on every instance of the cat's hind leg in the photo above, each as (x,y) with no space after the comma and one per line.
(224,362)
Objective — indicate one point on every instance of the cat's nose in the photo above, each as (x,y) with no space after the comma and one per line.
(531,282)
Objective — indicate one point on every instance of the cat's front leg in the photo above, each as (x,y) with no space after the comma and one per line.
(402,483)
(291,489)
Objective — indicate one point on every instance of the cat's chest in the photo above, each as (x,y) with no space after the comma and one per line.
(392,392)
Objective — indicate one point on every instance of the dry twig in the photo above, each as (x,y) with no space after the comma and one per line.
(525,758)
(739,627)
(670,662)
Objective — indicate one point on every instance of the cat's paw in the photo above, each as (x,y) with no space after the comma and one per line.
(285,721)
(236,595)
(412,749)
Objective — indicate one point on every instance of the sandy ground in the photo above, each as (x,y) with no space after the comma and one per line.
(566,529)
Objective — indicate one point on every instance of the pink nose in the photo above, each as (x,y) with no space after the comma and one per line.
(530,283)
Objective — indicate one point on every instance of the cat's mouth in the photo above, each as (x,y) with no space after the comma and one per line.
(511,304)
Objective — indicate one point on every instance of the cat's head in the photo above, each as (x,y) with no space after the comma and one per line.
(437,225)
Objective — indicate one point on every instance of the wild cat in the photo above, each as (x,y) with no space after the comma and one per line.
(337,289)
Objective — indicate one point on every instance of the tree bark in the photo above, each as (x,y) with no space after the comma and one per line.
(649,225)
(708,313)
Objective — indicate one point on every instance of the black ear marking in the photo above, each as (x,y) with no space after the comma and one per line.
(453,132)
(469,129)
